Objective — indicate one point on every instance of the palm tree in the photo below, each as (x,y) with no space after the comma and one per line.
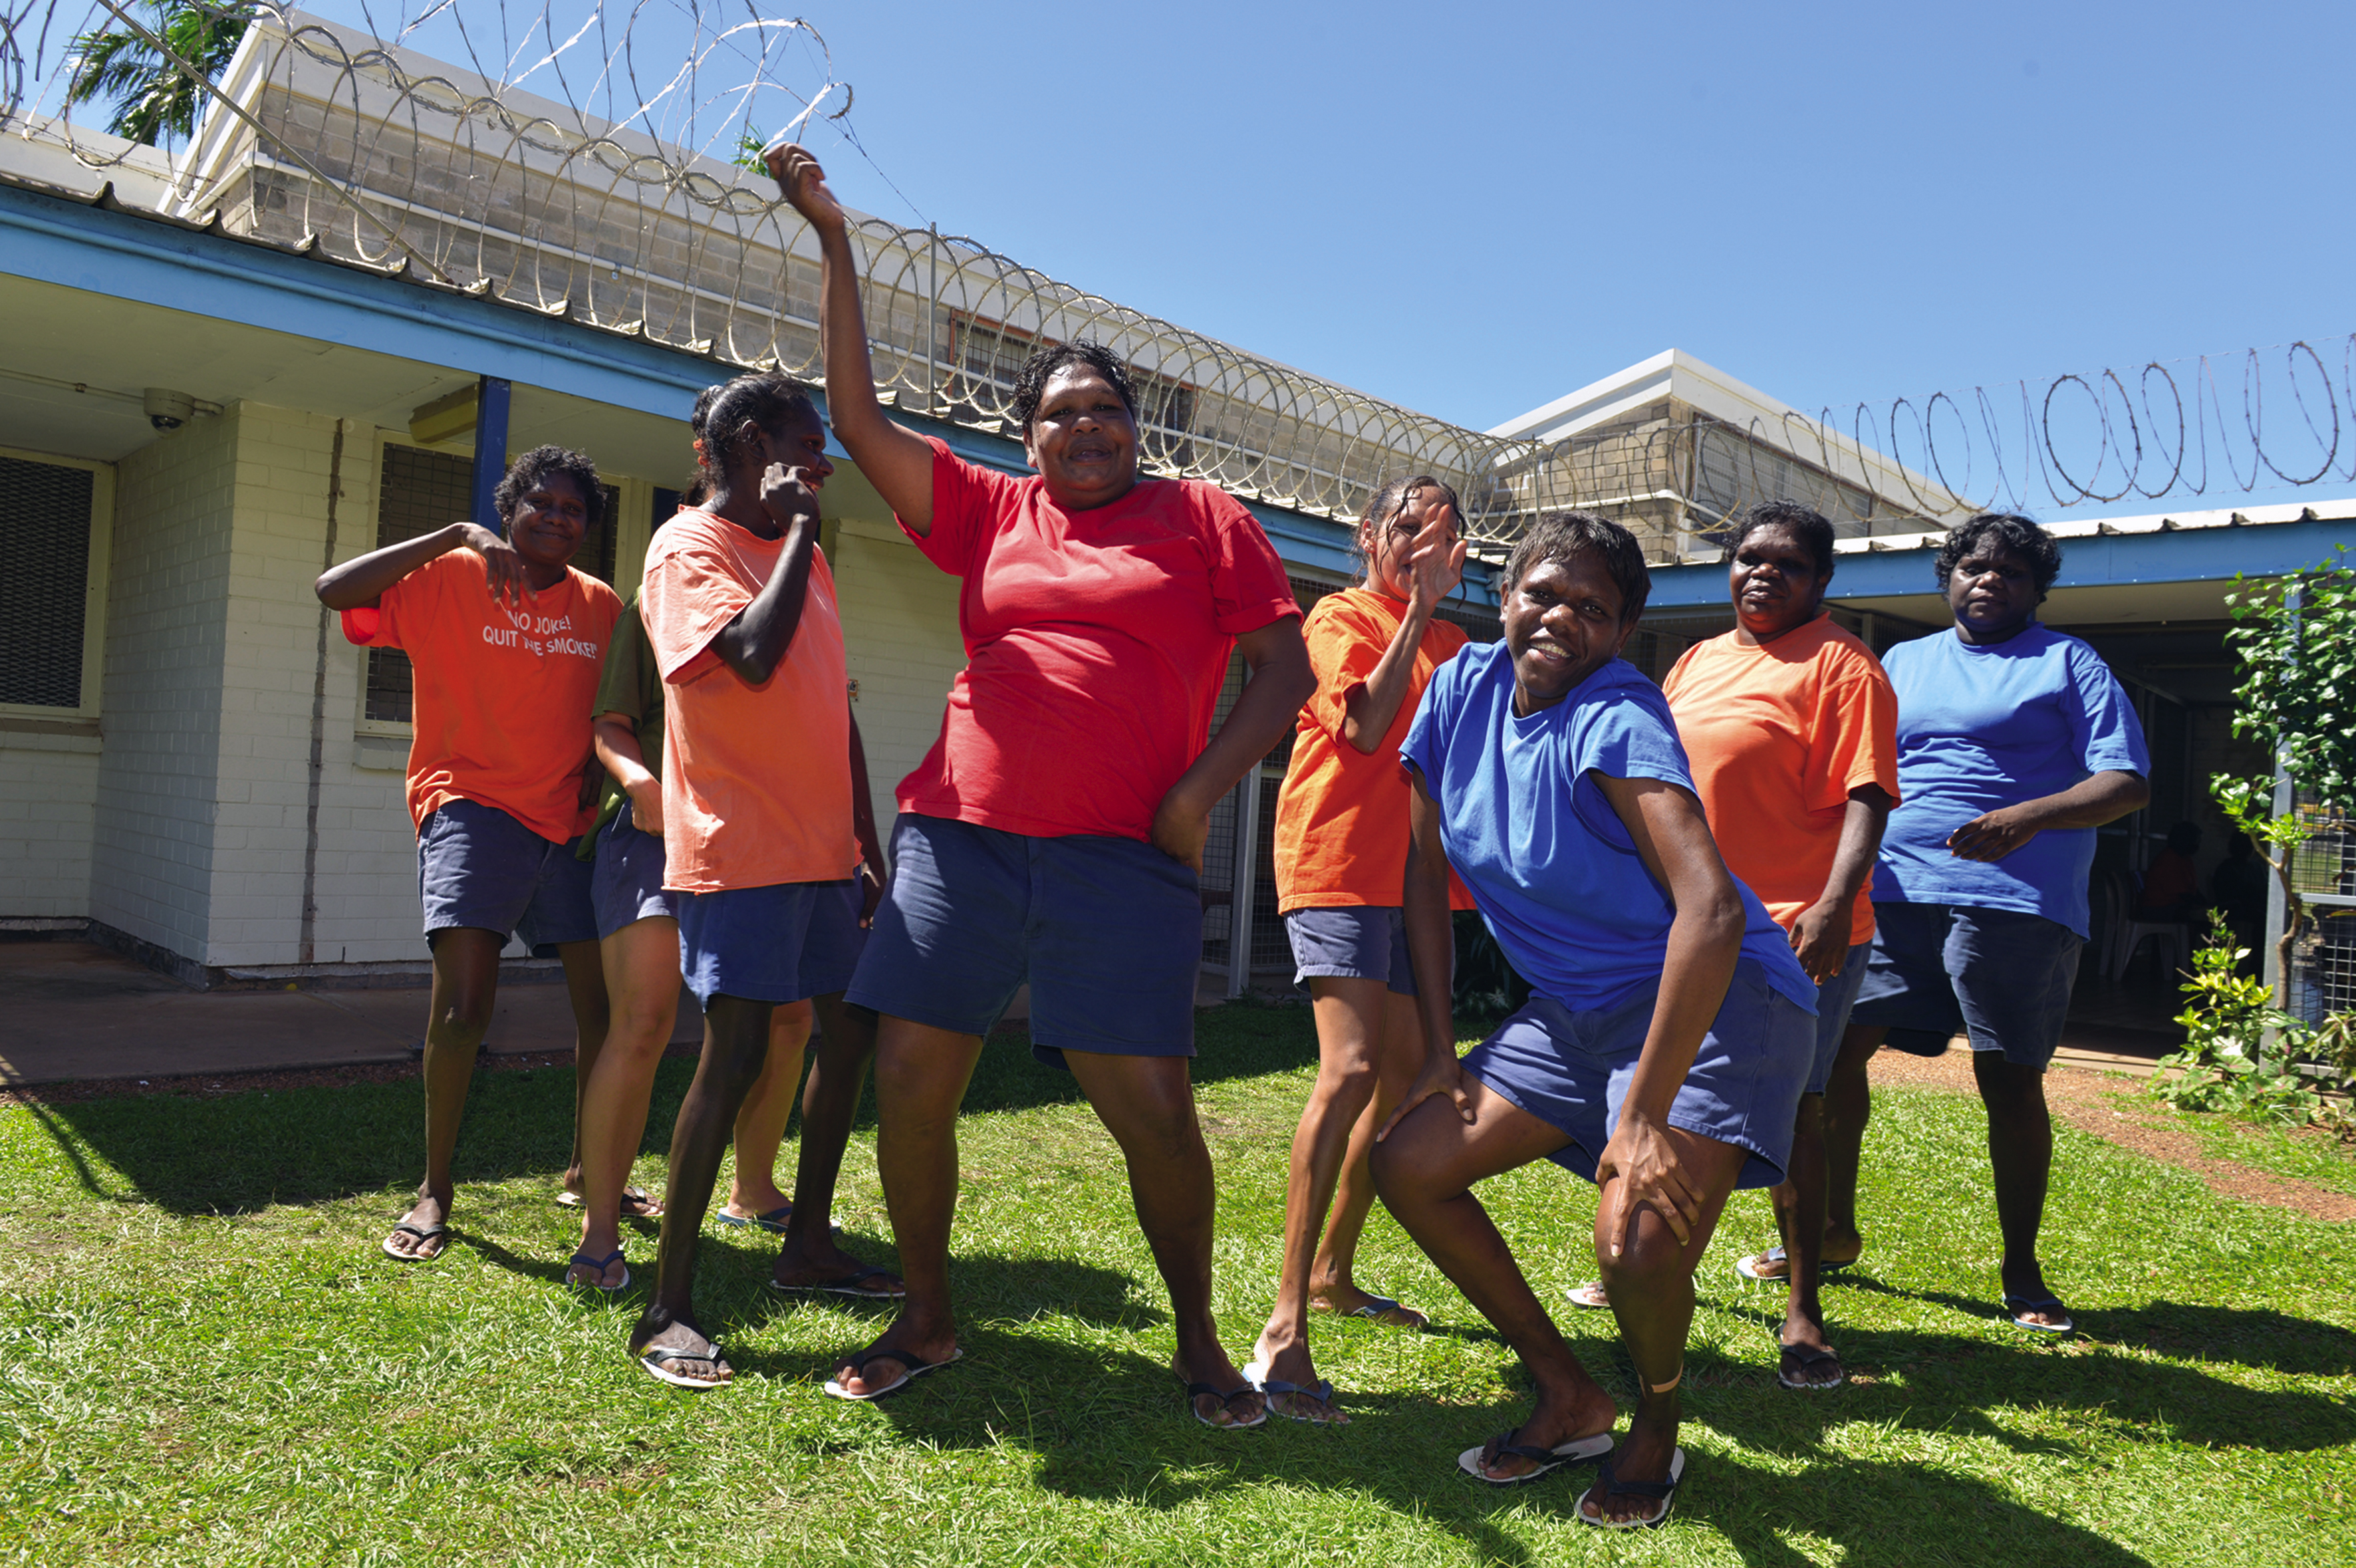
(153,97)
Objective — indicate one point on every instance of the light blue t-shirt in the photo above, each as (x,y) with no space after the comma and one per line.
(1980,727)
(1546,859)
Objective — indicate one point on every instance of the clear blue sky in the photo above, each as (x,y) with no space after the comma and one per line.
(1472,209)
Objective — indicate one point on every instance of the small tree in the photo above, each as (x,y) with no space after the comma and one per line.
(2295,638)
(154,99)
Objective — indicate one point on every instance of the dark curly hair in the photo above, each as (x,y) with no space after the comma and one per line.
(1031,380)
(532,469)
(1804,524)
(1390,499)
(2009,530)
(1565,535)
(769,401)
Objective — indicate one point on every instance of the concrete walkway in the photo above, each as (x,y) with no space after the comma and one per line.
(73,1012)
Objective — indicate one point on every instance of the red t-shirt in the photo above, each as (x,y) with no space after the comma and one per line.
(500,700)
(1096,643)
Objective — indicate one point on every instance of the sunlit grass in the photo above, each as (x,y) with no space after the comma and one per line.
(204,1358)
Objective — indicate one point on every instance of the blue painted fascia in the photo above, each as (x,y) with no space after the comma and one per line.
(2116,559)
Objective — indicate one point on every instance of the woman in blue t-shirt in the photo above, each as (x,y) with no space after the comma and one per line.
(1670,1029)
(2015,743)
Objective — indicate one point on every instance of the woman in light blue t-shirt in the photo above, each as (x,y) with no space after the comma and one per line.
(2015,743)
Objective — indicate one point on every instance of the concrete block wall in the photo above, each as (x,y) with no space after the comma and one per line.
(168,603)
(48,790)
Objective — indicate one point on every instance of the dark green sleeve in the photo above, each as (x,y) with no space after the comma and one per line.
(628,683)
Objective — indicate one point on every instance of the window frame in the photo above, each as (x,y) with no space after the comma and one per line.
(95,573)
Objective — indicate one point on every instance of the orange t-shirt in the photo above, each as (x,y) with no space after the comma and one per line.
(1778,736)
(757,779)
(500,706)
(1341,817)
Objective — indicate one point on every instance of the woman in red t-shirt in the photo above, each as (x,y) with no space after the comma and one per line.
(1341,861)
(1054,833)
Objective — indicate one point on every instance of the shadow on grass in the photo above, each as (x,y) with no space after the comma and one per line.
(237,1153)
(1112,1426)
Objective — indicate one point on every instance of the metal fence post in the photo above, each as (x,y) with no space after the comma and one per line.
(1246,883)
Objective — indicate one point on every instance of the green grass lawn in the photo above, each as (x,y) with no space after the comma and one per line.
(204,1358)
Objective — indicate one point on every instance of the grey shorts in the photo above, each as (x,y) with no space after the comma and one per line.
(626,880)
(1572,1069)
(1351,941)
(477,867)
(2002,976)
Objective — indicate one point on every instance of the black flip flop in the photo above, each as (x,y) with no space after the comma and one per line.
(912,1367)
(1807,1358)
(1475,1461)
(847,1285)
(423,1233)
(1225,1397)
(1666,1492)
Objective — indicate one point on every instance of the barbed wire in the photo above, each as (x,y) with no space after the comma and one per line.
(556,173)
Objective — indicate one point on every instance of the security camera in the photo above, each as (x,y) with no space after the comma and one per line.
(167,409)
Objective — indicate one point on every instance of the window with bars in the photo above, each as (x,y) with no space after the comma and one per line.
(420,491)
(45,528)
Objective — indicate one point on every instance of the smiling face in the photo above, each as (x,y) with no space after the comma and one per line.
(1082,441)
(1386,545)
(1776,582)
(1562,624)
(1993,593)
(797,442)
(549,521)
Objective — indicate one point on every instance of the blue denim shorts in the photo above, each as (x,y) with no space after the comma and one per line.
(781,943)
(1571,1070)
(1835,997)
(477,867)
(1351,941)
(2000,976)
(1108,932)
(626,878)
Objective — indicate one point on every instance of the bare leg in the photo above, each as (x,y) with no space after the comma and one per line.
(466,983)
(585,982)
(761,1125)
(1650,1286)
(1147,1103)
(1849,1104)
(921,1075)
(641,968)
(846,1046)
(1426,1171)
(1800,1216)
(1333,1284)
(1351,1021)
(735,1049)
(2021,1148)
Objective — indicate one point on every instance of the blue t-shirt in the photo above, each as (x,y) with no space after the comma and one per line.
(1980,727)
(1545,857)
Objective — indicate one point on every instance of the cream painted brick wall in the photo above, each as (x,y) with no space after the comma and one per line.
(166,621)
(48,786)
(366,887)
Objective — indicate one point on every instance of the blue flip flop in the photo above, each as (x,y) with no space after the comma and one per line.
(2020,1306)
(1255,1374)
(773,1221)
(1577,1451)
(1747,1266)
(1666,1492)
(600,1265)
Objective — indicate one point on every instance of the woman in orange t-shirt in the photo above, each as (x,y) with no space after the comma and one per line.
(1792,729)
(1340,864)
